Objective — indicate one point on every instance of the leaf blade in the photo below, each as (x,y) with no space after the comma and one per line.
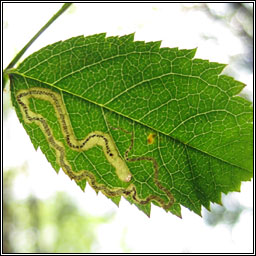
(124,79)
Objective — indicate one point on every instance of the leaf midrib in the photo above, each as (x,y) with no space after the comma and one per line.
(130,118)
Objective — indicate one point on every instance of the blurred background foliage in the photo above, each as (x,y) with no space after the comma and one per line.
(239,18)
(228,214)
(57,224)
(53,225)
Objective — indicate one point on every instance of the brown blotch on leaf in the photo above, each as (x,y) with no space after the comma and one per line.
(151,138)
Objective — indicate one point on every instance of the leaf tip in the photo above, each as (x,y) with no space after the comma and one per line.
(116,200)
(179,216)
(193,52)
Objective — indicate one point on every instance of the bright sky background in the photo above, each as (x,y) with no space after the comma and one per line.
(152,22)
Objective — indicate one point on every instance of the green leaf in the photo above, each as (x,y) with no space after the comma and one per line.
(151,124)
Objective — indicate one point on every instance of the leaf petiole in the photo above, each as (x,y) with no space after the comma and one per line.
(18,56)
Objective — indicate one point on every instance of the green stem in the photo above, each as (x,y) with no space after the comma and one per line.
(18,56)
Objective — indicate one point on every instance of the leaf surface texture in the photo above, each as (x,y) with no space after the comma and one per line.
(178,130)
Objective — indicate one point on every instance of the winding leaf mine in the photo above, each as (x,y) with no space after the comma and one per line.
(152,124)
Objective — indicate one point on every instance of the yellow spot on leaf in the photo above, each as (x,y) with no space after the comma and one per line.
(151,138)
